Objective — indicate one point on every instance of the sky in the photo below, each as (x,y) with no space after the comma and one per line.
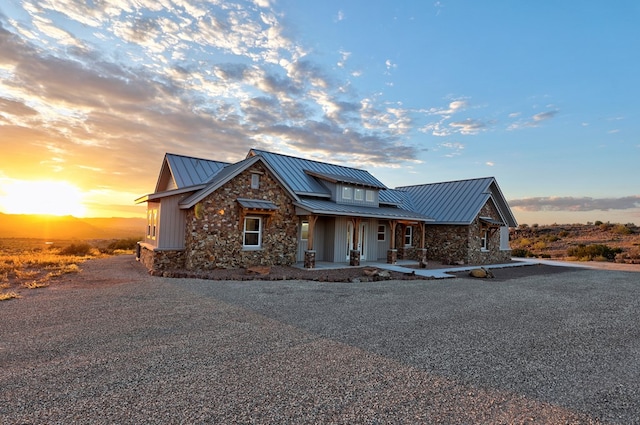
(541,95)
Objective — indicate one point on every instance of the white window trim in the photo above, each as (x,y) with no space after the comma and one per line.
(255,181)
(347,192)
(484,240)
(410,235)
(383,233)
(358,194)
(245,232)
(370,196)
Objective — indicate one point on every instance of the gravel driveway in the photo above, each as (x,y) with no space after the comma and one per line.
(115,345)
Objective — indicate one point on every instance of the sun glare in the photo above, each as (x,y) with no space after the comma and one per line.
(41,197)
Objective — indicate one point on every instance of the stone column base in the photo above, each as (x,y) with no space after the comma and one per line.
(392,256)
(354,257)
(422,257)
(310,259)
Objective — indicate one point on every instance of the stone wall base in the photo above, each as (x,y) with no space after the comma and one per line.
(310,259)
(392,256)
(354,257)
(158,261)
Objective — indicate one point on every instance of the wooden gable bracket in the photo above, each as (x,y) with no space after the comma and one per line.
(255,211)
(492,228)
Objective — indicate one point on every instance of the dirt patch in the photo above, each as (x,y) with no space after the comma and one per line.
(349,274)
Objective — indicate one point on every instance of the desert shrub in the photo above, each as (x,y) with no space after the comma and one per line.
(522,253)
(524,242)
(621,229)
(123,244)
(597,223)
(80,249)
(591,252)
(540,245)
(563,234)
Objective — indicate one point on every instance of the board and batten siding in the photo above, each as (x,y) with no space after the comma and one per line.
(319,237)
(340,244)
(172,223)
(504,238)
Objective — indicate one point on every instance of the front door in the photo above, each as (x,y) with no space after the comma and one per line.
(362,240)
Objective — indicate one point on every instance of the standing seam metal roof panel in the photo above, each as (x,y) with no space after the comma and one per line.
(451,202)
(291,169)
(189,171)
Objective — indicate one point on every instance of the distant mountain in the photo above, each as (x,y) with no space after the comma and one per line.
(69,227)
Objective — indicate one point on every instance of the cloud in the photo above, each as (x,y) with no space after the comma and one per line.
(104,118)
(453,149)
(468,126)
(575,204)
(534,121)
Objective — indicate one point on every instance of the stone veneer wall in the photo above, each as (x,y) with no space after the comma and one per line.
(447,244)
(452,244)
(214,235)
(158,261)
(493,254)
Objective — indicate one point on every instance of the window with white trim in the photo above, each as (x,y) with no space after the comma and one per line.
(484,240)
(382,232)
(152,223)
(358,194)
(346,192)
(408,236)
(252,233)
(370,195)
(255,181)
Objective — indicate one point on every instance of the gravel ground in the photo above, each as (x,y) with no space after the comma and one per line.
(538,344)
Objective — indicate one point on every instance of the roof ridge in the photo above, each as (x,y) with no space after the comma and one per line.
(310,160)
(195,157)
(445,182)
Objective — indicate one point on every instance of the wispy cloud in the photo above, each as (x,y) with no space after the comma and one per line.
(533,121)
(147,77)
(575,204)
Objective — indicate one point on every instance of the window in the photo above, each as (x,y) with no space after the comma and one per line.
(255,181)
(346,192)
(359,195)
(370,195)
(252,235)
(304,230)
(408,236)
(382,231)
(484,240)
(152,223)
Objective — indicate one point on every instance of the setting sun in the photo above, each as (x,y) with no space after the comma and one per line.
(41,197)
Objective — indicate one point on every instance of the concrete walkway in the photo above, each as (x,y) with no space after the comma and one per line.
(405,266)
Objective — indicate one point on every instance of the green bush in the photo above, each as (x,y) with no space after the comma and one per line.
(591,252)
(80,249)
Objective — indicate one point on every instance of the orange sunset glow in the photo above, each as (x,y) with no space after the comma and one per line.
(42,197)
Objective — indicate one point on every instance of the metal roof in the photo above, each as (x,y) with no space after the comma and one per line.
(321,206)
(257,204)
(458,202)
(189,171)
(336,178)
(292,171)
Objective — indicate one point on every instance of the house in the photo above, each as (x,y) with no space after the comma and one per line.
(274,209)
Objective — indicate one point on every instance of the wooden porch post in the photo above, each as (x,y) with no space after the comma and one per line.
(312,228)
(392,252)
(392,240)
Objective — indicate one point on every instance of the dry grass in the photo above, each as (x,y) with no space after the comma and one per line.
(8,296)
(32,264)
